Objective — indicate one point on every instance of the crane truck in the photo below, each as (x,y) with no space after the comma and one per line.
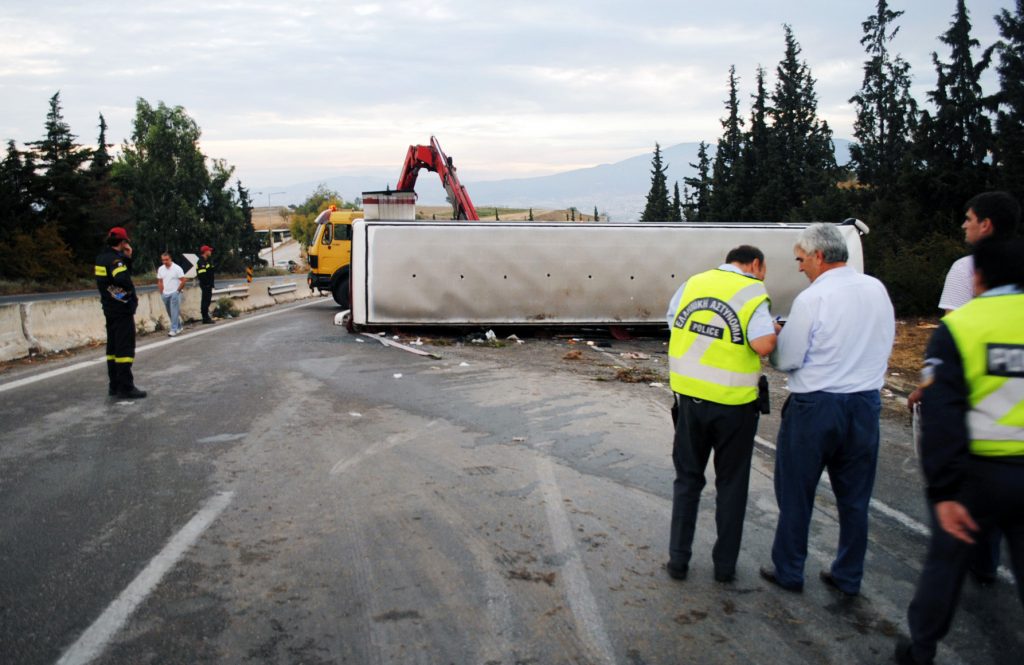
(330,250)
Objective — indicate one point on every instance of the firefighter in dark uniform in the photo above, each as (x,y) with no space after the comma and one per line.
(204,271)
(119,300)
(972,439)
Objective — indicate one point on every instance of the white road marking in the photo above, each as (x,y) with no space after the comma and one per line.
(18,383)
(347,463)
(94,640)
(902,518)
(577,584)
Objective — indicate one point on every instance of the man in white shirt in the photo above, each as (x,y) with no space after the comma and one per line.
(989,214)
(170,279)
(835,348)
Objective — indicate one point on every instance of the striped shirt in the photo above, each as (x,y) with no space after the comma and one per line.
(959,287)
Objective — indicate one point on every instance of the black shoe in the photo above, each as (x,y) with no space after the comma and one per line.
(677,571)
(725,578)
(904,654)
(133,393)
(768,575)
(830,581)
(205,321)
(983,579)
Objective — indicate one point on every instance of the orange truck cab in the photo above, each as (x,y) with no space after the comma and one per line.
(330,253)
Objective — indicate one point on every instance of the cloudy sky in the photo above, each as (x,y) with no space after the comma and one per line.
(300,90)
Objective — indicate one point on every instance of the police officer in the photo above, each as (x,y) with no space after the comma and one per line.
(119,300)
(720,327)
(204,271)
(972,439)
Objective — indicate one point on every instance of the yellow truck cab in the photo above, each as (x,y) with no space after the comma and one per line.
(330,253)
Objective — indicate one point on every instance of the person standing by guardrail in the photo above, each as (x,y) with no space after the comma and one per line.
(170,279)
(119,301)
(204,272)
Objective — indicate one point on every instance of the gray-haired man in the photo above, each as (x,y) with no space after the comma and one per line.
(835,348)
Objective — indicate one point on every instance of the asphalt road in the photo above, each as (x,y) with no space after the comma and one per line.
(290,493)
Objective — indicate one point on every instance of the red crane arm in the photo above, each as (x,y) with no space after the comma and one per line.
(432,158)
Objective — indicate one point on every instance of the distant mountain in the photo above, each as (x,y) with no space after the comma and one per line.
(618,189)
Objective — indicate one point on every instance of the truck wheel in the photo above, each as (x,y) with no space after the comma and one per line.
(340,292)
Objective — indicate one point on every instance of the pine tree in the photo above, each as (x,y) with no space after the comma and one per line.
(802,157)
(1009,140)
(100,166)
(530,218)
(676,214)
(18,194)
(66,188)
(726,203)
(596,218)
(886,111)
(756,156)
(701,185)
(955,141)
(657,209)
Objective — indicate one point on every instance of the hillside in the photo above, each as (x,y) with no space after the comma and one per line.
(619,189)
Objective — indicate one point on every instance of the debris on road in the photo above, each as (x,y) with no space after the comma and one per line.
(636,375)
(573,355)
(387,342)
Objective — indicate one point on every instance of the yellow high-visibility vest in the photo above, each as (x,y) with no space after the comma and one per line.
(708,354)
(989,334)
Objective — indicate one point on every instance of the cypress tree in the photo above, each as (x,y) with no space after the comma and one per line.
(886,111)
(701,185)
(595,214)
(726,203)
(955,141)
(1009,140)
(676,213)
(657,209)
(802,162)
(66,188)
(756,156)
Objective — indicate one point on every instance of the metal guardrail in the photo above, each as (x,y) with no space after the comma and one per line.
(277,289)
(232,291)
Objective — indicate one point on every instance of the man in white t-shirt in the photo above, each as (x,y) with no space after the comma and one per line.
(988,215)
(170,279)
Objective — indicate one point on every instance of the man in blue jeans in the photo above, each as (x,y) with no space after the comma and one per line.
(835,347)
(170,279)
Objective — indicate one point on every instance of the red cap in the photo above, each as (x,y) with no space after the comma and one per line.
(205,248)
(118,233)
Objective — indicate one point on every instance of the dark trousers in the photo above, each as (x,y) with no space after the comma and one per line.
(994,496)
(204,303)
(838,432)
(703,427)
(120,351)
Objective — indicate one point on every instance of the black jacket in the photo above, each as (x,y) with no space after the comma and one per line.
(204,271)
(114,282)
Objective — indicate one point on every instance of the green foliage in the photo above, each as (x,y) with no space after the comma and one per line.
(698,206)
(302,221)
(657,209)
(725,200)
(886,111)
(225,308)
(1009,139)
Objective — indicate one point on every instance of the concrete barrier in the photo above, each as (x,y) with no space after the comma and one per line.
(12,335)
(59,325)
(48,326)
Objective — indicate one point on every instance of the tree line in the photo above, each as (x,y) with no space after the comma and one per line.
(58,198)
(912,166)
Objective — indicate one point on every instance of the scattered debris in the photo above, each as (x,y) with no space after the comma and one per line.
(490,336)
(532,576)
(657,385)
(573,355)
(360,341)
(398,376)
(634,355)
(636,375)
(518,439)
(387,342)
(463,364)
(513,338)
(355,414)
